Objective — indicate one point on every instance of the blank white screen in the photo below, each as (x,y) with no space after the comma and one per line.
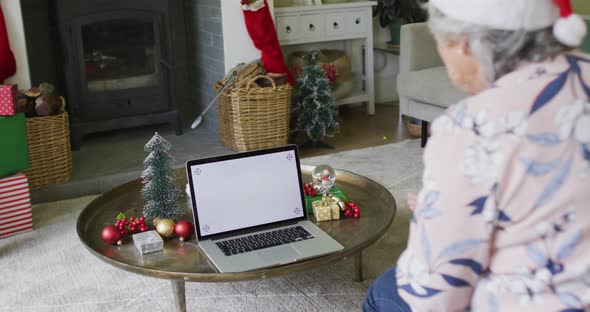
(240,193)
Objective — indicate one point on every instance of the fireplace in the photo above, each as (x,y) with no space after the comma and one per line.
(119,63)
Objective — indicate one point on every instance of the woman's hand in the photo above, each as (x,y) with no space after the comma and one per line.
(412,201)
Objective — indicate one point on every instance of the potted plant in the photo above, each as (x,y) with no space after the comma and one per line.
(395,13)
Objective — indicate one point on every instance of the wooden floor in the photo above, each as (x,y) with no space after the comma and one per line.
(359,130)
(97,169)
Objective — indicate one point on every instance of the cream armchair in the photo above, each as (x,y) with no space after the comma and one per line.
(424,88)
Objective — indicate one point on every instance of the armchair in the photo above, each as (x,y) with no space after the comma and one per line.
(425,91)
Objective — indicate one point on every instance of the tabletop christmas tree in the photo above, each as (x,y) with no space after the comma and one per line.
(159,190)
(312,107)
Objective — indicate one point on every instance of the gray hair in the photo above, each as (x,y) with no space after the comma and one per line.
(498,51)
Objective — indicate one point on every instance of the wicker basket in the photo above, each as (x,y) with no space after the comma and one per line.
(225,125)
(252,118)
(50,154)
(414,130)
(337,59)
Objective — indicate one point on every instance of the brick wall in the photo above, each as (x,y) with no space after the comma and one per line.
(43,50)
(205,54)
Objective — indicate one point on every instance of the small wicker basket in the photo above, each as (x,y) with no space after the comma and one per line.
(50,153)
(253,118)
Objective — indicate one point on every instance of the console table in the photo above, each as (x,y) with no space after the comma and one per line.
(334,22)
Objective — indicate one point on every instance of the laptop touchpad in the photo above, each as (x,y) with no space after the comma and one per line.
(280,254)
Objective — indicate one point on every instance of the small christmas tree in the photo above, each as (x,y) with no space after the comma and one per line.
(311,106)
(159,190)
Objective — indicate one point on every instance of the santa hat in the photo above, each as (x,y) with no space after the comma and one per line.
(568,28)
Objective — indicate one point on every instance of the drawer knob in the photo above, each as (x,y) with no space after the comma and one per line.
(336,25)
(288,29)
(357,20)
(311,27)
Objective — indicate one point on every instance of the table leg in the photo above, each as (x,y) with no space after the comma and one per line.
(179,295)
(358,267)
(424,133)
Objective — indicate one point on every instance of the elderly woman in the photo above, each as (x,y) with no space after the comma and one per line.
(502,222)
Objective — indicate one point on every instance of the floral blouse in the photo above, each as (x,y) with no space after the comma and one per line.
(502,222)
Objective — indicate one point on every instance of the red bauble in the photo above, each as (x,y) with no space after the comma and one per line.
(111,235)
(184,229)
(309,190)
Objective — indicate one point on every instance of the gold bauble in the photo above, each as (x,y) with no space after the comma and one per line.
(165,227)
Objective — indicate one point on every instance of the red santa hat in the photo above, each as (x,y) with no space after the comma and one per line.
(568,27)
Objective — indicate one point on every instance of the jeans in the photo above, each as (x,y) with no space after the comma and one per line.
(383,296)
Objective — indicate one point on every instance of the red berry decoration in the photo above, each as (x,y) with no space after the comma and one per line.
(352,210)
(331,72)
(184,229)
(111,235)
(309,190)
(125,227)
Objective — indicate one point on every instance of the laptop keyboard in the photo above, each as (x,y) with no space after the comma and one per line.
(263,240)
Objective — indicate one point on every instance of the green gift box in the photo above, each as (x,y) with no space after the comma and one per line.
(13,139)
(336,191)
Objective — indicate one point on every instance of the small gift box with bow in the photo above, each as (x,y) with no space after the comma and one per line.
(334,192)
(326,209)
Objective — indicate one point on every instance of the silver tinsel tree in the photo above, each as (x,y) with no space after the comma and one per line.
(159,191)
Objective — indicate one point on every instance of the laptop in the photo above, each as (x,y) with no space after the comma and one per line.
(249,210)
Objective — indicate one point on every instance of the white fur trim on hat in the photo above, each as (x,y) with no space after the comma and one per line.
(570,30)
(501,14)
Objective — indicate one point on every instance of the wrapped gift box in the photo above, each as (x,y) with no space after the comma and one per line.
(8,99)
(148,242)
(334,191)
(325,210)
(13,140)
(16,215)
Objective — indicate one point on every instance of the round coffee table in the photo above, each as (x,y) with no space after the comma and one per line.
(182,262)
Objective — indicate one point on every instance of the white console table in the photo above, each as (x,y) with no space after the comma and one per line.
(334,22)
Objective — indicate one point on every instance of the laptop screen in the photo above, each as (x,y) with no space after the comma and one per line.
(245,190)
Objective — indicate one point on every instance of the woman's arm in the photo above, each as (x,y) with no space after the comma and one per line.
(455,216)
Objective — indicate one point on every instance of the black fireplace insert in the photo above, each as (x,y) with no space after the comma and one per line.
(119,63)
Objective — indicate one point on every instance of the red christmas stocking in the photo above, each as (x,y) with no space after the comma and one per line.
(7,61)
(264,36)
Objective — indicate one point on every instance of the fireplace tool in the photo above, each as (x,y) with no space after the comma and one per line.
(231,79)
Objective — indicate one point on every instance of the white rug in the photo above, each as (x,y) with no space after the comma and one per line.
(49,270)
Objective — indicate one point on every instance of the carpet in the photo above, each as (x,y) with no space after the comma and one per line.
(49,270)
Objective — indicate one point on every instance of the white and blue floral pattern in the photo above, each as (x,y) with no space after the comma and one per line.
(502,220)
